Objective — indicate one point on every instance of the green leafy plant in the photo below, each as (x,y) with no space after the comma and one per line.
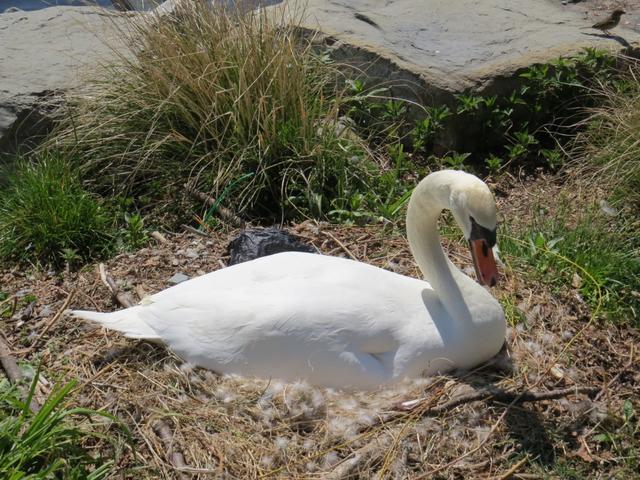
(494,164)
(455,160)
(424,130)
(469,103)
(134,232)
(554,158)
(622,436)
(45,214)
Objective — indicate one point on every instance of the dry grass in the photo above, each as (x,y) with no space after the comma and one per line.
(608,151)
(231,427)
(237,103)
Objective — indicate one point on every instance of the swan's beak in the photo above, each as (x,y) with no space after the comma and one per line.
(483,261)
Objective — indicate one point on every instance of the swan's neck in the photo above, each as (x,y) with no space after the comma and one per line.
(430,197)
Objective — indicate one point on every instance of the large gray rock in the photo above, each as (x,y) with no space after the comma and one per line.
(432,48)
(44,52)
(443,46)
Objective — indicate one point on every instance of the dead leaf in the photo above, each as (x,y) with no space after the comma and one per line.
(583,452)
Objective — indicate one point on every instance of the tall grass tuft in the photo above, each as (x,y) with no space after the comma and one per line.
(46,216)
(609,149)
(47,444)
(237,103)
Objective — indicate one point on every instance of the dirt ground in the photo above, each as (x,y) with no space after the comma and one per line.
(232,427)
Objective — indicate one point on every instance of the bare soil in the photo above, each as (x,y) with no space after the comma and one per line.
(232,427)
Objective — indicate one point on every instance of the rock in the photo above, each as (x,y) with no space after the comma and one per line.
(252,244)
(169,6)
(178,278)
(46,52)
(427,52)
(446,46)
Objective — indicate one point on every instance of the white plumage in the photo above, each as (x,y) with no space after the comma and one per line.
(329,320)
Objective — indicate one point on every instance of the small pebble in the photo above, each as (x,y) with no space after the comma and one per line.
(178,278)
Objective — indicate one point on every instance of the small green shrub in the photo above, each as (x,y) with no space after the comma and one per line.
(522,126)
(47,444)
(134,234)
(47,217)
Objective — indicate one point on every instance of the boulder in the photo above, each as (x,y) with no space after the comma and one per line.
(428,50)
(45,52)
(440,47)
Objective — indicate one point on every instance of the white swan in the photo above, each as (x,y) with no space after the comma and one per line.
(337,322)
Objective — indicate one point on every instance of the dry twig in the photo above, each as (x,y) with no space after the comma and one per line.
(189,228)
(509,473)
(341,245)
(158,236)
(121,297)
(13,371)
(497,396)
(9,362)
(360,456)
(53,320)
(224,213)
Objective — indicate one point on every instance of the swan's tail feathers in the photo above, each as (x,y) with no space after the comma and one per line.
(127,321)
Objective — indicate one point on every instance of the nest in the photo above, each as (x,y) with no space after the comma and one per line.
(192,423)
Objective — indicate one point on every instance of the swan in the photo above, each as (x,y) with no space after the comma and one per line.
(337,322)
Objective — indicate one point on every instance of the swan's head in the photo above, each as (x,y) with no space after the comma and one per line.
(474,208)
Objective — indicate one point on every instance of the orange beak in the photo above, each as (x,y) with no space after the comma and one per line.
(484,263)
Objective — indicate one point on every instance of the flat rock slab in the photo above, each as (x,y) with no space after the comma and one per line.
(434,48)
(455,45)
(43,52)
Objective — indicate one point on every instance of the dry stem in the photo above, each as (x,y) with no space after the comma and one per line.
(158,236)
(223,212)
(52,321)
(122,298)
(9,362)
(13,371)
(499,396)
